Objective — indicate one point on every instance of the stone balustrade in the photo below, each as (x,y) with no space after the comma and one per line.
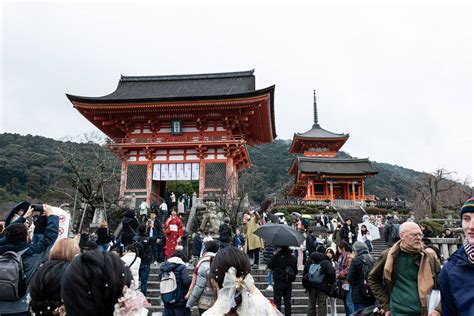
(447,246)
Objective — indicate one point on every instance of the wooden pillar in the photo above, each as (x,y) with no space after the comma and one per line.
(202,178)
(308,189)
(312,187)
(123,182)
(149,181)
(363,190)
(331,189)
(353,191)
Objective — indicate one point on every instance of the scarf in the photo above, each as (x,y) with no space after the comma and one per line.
(425,277)
(469,249)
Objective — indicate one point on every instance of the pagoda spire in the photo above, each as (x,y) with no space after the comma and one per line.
(315,111)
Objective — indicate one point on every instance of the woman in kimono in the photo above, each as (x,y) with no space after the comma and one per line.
(173,231)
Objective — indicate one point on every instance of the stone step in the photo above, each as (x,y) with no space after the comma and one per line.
(296,310)
(259,285)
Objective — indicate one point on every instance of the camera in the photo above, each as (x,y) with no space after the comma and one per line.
(37,209)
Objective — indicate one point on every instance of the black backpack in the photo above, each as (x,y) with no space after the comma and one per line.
(12,276)
(290,274)
(367,265)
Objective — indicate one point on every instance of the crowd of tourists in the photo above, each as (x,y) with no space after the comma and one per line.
(82,276)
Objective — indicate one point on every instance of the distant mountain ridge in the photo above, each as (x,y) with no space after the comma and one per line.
(30,166)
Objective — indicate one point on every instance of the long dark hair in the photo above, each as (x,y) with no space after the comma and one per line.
(224,259)
(93,282)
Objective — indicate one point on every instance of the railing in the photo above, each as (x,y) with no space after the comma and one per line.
(394,205)
(174,139)
(446,246)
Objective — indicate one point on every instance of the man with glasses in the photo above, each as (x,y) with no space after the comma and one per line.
(404,275)
(457,277)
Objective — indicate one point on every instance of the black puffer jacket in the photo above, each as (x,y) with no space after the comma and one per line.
(327,269)
(356,277)
(278,264)
(225,233)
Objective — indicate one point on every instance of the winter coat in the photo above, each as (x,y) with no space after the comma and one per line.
(327,269)
(356,278)
(252,240)
(201,281)
(103,236)
(225,233)
(345,230)
(147,256)
(183,281)
(238,241)
(278,264)
(310,244)
(129,229)
(32,258)
(128,259)
(387,232)
(196,245)
(457,285)
(382,288)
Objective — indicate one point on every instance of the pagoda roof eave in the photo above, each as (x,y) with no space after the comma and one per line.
(335,166)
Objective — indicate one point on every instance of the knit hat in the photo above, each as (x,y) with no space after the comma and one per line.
(468,206)
(359,246)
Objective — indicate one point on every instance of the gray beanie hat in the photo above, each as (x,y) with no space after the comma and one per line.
(359,246)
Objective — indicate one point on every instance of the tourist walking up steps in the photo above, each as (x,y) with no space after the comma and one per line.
(253,243)
(405,274)
(175,268)
(344,263)
(225,233)
(457,276)
(318,277)
(143,246)
(16,243)
(358,275)
(284,267)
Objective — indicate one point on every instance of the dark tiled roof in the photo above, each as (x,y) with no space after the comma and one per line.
(177,86)
(335,166)
(318,132)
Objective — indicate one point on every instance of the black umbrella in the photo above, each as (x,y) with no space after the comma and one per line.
(22,205)
(280,235)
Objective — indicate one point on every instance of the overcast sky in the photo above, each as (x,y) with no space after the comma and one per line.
(397,77)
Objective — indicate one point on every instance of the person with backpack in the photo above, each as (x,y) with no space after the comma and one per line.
(22,258)
(358,276)
(201,291)
(318,277)
(142,245)
(174,284)
(391,231)
(284,267)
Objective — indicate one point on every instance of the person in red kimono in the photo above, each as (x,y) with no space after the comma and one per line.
(173,232)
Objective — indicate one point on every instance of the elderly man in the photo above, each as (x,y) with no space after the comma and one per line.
(404,275)
(457,277)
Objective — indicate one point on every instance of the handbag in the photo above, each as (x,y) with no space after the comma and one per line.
(208,297)
(337,291)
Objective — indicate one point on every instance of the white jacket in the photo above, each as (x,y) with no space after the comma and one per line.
(128,259)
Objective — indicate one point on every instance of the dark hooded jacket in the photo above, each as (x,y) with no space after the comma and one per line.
(356,277)
(183,281)
(327,269)
(129,228)
(457,285)
(32,258)
(278,264)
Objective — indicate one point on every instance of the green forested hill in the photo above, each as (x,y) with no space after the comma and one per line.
(31,168)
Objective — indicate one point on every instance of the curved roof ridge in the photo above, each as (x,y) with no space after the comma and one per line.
(318,132)
(218,75)
(325,159)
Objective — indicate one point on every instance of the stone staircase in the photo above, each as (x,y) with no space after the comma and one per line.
(299,297)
